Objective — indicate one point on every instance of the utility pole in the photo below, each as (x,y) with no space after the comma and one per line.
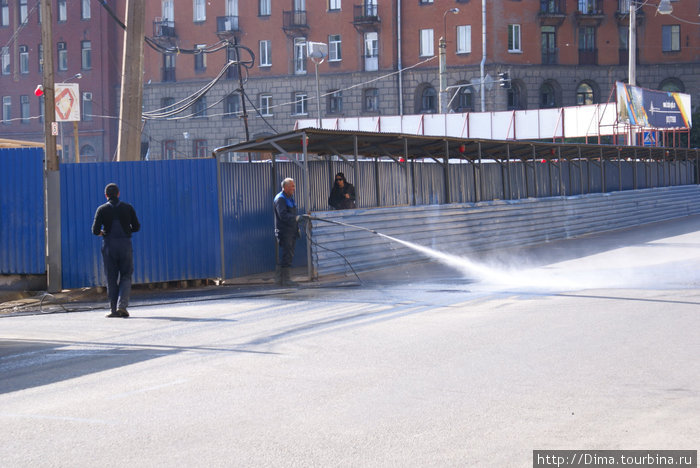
(52,176)
(129,143)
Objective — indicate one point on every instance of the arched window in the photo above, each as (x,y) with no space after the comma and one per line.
(428,101)
(87,154)
(548,98)
(584,94)
(672,85)
(463,100)
(517,99)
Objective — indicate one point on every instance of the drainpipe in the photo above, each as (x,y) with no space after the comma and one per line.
(483,54)
(399,64)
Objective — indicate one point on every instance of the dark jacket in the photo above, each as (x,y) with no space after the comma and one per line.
(115,209)
(285,216)
(338,200)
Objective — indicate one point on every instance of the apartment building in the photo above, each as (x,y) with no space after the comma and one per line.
(382,60)
(87,48)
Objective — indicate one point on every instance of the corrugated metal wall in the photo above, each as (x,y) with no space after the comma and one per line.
(22,230)
(463,228)
(176,202)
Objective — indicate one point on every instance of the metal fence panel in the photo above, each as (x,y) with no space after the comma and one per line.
(177,205)
(22,232)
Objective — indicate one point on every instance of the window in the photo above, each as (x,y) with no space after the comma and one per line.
(265,8)
(40,54)
(424,2)
(86,55)
(23,11)
(265,53)
(23,59)
(200,59)
(85,9)
(371,51)
(428,100)
(169,67)
(62,11)
(300,104)
(266,104)
(584,94)
(334,50)
(6,109)
(199,11)
(169,149)
(464,39)
(24,108)
(587,6)
(514,38)
(62,56)
(587,52)
(199,109)
(168,10)
(549,45)
(4,13)
(671,38)
(200,149)
(464,101)
(299,55)
(515,99)
(166,103)
(547,96)
(335,102)
(5,60)
(333,5)
(232,105)
(232,55)
(426,43)
(371,100)
(86,107)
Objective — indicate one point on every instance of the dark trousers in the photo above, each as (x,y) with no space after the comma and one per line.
(117,255)
(287,244)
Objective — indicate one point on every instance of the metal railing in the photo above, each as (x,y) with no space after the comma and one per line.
(366,13)
(552,7)
(294,19)
(163,28)
(226,24)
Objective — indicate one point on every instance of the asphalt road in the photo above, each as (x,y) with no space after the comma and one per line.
(583,344)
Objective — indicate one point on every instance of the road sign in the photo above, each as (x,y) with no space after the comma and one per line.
(649,138)
(67,102)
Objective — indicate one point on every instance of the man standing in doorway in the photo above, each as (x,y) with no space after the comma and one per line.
(115,221)
(286,230)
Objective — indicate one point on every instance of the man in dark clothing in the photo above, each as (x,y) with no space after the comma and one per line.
(115,221)
(342,194)
(286,230)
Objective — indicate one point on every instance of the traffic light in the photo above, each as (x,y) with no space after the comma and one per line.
(504,80)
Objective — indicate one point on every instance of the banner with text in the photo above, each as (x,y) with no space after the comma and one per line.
(651,108)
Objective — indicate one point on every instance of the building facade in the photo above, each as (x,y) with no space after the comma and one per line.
(382,60)
(87,51)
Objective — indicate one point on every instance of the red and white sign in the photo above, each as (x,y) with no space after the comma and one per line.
(67,102)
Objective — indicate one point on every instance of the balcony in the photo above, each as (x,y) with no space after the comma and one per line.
(294,20)
(366,14)
(588,57)
(163,28)
(550,56)
(623,13)
(226,24)
(552,12)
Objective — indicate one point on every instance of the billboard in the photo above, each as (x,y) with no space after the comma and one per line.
(651,108)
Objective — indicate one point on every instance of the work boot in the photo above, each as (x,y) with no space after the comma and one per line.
(278,276)
(286,277)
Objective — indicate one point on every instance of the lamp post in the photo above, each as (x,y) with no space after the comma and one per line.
(442,58)
(664,8)
(317,51)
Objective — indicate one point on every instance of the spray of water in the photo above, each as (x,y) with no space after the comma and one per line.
(669,262)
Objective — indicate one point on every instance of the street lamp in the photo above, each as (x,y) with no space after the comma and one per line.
(442,56)
(664,8)
(317,51)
